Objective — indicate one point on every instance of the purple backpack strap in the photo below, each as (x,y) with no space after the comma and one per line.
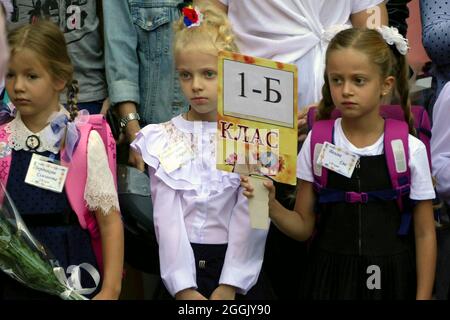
(422,124)
(311,117)
(322,131)
(396,149)
(77,176)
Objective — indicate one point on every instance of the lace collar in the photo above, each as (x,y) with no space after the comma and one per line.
(19,133)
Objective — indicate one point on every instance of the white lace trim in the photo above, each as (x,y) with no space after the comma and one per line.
(18,134)
(104,202)
(100,192)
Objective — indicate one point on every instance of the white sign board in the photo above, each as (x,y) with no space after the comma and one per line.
(258,93)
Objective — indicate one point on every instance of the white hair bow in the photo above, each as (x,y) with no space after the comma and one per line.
(393,37)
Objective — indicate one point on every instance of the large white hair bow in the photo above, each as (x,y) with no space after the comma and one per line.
(393,37)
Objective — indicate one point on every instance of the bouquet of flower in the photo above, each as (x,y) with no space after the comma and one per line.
(23,258)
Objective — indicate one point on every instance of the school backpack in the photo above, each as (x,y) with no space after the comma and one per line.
(396,152)
(77,177)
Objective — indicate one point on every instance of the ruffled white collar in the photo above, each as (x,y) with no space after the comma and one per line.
(193,126)
(19,133)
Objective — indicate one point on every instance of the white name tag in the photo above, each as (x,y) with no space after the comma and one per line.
(43,173)
(337,159)
(175,155)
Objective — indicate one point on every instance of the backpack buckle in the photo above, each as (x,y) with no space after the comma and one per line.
(403,190)
(354,197)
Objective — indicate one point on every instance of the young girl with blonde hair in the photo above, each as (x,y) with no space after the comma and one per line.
(207,247)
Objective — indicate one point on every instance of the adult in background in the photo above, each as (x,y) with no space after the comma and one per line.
(139,64)
(436,41)
(79,20)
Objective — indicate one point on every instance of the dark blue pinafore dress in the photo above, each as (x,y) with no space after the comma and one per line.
(51,220)
(354,238)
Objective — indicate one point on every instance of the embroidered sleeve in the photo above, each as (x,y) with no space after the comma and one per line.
(100,192)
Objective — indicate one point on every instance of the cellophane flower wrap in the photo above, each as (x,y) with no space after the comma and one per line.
(24,259)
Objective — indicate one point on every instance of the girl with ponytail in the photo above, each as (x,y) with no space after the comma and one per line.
(360,250)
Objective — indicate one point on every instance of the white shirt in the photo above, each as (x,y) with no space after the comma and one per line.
(100,192)
(294,31)
(440,143)
(198,204)
(421,184)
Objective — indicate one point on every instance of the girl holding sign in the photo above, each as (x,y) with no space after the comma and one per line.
(371,241)
(44,152)
(207,247)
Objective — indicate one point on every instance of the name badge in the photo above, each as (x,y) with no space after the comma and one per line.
(337,159)
(175,155)
(45,174)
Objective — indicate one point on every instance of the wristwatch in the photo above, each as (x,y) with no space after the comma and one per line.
(129,117)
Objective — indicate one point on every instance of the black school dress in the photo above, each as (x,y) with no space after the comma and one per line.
(52,222)
(353,237)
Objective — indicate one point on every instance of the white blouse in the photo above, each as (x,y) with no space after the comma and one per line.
(100,192)
(197,203)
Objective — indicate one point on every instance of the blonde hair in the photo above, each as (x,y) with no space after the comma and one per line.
(388,60)
(213,33)
(46,40)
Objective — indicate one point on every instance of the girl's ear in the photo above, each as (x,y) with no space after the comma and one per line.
(387,85)
(59,84)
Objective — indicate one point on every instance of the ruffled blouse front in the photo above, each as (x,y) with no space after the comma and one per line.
(197,203)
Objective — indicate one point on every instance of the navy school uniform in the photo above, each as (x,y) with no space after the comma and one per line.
(352,237)
(52,222)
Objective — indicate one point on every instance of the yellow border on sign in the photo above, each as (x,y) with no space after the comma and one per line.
(288,136)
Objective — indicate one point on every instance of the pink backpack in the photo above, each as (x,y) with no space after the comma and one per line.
(77,175)
(397,156)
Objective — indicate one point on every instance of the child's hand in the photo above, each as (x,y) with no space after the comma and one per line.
(106,295)
(223,292)
(189,294)
(248,189)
